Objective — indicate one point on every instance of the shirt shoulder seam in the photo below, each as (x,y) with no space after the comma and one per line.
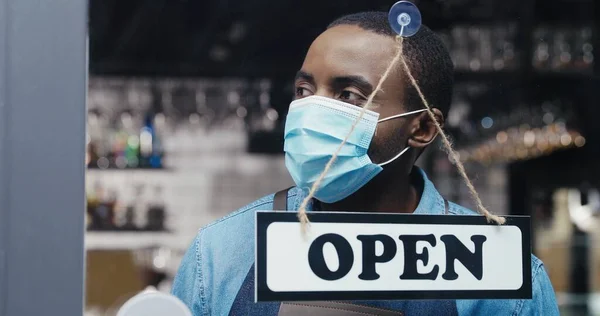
(200,280)
(243,210)
(236,213)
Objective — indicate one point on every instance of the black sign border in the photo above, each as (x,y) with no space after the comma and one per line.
(265,218)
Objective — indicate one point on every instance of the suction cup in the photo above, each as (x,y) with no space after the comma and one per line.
(405,18)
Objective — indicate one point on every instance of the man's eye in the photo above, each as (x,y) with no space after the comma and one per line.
(302,92)
(350,96)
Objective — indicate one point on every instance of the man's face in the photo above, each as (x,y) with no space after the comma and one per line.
(345,63)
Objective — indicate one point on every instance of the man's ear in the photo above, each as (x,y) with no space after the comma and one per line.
(423,130)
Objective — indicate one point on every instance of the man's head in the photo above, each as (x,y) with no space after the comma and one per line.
(346,62)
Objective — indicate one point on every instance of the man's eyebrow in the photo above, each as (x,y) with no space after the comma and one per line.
(304,75)
(359,81)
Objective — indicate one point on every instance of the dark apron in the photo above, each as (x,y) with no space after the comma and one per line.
(244,305)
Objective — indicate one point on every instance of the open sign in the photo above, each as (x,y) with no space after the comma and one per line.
(358,256)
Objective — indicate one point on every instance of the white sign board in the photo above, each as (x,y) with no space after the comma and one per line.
(359,256)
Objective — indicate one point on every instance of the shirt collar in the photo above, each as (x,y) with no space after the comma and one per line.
(431,201)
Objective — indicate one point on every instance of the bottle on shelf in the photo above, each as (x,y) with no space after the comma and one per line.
(131,212)
(98,152)
(102,209)
(140,207)
(583,58)
(561,55)
(92,204)
(125,145)
(150,147)
(91,157)
(156,159)
(542,54)
(156,214)
(119,142)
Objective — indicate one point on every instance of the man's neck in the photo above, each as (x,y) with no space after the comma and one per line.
(382,194)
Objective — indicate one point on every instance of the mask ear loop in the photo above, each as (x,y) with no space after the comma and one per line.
(395,117)
(302,215)
(401,115)
(396,157)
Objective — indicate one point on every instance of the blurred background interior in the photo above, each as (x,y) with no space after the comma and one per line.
(187,102)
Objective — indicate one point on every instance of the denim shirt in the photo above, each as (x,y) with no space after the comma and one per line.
(217,263)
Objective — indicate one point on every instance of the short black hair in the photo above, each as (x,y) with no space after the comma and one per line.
(427,57)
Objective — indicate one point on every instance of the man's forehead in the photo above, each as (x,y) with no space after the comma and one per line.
(348,49)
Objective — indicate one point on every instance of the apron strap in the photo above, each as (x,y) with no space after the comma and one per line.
(244,305)
(280,200)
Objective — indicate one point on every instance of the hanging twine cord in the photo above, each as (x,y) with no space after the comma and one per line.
(453,154)
(302,214)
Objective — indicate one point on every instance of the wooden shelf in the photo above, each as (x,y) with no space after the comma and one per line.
(96,240)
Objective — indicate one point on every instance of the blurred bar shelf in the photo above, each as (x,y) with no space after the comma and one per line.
(485,75)
(114,240)
(566,75)
(494,76)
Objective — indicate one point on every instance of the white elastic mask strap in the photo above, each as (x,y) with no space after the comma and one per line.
(401,115)
(397,156)
(407,147)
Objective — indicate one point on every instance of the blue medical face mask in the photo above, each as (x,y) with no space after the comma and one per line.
(314,129)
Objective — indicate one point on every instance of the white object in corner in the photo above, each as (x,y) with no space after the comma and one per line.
(154,303)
